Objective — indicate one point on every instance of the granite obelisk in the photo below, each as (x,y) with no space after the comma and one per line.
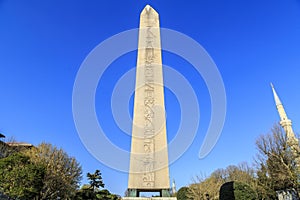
(149,170)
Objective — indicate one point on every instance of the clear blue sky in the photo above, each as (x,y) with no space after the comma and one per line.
(253,43)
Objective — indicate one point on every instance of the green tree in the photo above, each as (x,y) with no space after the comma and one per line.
(202,187)
(277,169)
(264,184)
(63,173)
(237,190)
(20,178)
(95,180)
(92,191)
(3,149)
(6,150)
(243,191)
(85,192)
(106,195)
(182,193)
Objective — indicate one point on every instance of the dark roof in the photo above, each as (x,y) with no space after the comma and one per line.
(2,136)
(19,144)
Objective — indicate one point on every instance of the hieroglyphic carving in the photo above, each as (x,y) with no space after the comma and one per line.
(149,155)
(149,115)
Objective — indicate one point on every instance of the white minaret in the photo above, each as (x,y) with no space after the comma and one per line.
(174,187)
(285,122)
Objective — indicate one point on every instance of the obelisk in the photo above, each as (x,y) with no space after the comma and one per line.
(149,170)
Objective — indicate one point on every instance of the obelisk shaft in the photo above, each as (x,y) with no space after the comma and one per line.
(149,169)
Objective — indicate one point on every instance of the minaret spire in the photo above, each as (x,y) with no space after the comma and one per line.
(276,98)
(285,122)
(280,108)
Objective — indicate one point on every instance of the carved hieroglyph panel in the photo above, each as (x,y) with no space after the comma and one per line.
(149,154)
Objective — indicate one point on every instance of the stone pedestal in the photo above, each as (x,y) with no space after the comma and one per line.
(136,192)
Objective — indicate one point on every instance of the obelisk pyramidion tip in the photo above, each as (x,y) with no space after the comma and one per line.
(147,7)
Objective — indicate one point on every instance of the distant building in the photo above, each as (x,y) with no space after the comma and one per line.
(8,148)
(1,136)
(18,146)
(12,146)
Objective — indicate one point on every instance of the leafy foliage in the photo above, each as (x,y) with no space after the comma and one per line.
(105,194)
(3,149)
(277,169)
(6,150)
(46,172)
(243,191)
(182,193)
(85,192)
(63,172)
(20,178)
(210,186)
(237,190)
(95,180)
(92,191)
